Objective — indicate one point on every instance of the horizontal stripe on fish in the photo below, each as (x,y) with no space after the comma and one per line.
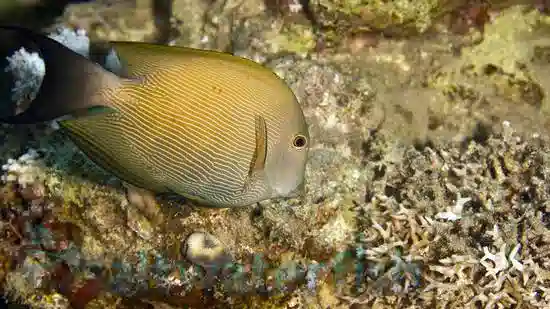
(213,112)
(165,131)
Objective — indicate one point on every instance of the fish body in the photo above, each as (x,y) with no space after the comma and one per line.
(215,128)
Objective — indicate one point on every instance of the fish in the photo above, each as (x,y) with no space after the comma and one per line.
(218,129)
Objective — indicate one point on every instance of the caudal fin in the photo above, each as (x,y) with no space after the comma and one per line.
(71,82)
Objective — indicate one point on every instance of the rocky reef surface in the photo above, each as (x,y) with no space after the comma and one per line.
(427,185)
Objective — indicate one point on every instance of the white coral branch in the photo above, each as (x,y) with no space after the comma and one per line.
(454,213)
(500,262)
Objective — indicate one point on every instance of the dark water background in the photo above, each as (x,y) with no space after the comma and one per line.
(4,304)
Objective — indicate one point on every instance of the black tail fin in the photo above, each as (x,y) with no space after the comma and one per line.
(71,83)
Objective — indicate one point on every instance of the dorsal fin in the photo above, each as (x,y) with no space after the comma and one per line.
(140,58)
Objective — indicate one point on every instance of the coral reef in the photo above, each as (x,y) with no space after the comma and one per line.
(427,185)
(27,69)
(401,16)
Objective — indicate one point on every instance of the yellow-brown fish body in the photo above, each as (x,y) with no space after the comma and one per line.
(209,126)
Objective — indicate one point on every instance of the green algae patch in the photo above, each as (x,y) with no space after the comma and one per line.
(401,16)
(295,38)
(508,42)
(507,66)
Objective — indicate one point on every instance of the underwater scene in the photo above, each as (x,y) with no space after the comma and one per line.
(291,154)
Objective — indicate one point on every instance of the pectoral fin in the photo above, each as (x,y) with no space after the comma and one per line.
(257,163)
(260,152)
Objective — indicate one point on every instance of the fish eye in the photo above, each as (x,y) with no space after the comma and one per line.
(299,141)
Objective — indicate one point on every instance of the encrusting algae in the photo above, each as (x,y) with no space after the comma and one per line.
(459,222)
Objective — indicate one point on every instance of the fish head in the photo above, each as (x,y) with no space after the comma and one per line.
(286,163)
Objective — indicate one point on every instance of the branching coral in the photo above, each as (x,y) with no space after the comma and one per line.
(474,254)
(77,40)
(25,170)
(28,70)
